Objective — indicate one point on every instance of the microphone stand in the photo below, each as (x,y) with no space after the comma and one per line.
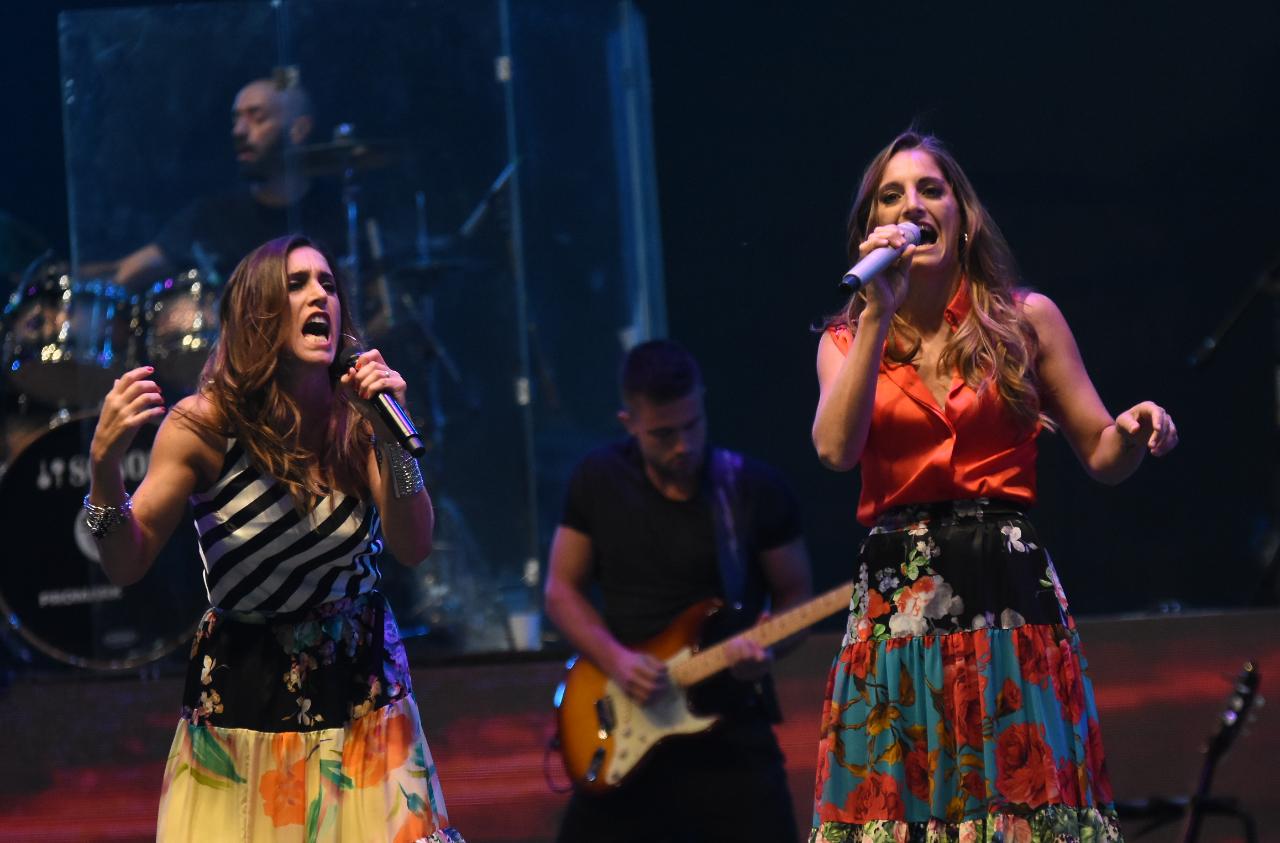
(1267,283)
(1163,810)
(468,226)
(1267,590)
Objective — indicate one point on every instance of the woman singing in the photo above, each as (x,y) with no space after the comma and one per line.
(298,719)
(958,707)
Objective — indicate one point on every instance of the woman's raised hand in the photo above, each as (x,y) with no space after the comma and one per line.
(372,375)
(1150,424)
(133,401)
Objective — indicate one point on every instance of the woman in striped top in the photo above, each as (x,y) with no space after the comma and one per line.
(298,718)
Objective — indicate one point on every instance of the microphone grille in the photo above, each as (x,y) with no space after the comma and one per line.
(916,235)
(349,349)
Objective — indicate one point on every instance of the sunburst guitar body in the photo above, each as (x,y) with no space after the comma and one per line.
(604,734)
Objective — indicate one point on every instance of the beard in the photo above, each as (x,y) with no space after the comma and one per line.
(681,470)
(268,163)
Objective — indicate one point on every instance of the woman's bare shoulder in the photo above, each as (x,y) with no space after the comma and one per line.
(196,419)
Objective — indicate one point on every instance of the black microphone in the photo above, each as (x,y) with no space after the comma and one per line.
(877,259)
(386,405)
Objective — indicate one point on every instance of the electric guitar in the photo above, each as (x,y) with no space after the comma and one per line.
(604,733)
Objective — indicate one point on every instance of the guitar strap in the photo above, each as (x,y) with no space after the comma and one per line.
(730,524)
(742,591)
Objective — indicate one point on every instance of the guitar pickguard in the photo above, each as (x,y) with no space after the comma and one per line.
(636,728)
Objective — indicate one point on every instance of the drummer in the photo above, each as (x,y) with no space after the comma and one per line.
(269,117)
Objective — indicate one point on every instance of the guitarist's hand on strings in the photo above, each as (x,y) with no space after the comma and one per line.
(640,675)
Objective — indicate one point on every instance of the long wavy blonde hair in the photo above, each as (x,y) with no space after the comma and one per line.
(995,344)
(241,380)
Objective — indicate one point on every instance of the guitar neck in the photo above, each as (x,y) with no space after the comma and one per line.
(714,659)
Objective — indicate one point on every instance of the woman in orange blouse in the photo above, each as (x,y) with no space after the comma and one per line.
(958,706)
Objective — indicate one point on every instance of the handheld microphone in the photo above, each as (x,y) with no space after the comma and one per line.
(877,259)
(384,403)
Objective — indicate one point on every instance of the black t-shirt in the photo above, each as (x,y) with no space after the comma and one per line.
(227,226)
(655,557)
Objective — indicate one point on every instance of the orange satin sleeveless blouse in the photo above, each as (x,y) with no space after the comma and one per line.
(918,452)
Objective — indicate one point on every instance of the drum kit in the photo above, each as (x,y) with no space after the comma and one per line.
(63,341)
(65,337)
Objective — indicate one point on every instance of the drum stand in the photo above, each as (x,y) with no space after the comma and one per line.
(445,602)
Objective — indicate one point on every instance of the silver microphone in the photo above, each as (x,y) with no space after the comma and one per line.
(877,259)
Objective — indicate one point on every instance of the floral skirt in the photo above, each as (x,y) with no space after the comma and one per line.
(301,730)
(958,708)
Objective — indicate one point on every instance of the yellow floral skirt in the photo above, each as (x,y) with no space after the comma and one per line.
(301,730)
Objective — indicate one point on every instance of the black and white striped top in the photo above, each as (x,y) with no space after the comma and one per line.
(261,555)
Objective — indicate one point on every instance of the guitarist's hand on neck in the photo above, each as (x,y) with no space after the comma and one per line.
(640,675)
(748,661)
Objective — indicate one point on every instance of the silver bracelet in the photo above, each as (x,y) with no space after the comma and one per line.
(406,475)
(103,520)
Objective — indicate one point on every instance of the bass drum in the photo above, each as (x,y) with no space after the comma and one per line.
(53,590)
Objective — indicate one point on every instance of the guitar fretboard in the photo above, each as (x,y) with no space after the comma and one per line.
(715,659)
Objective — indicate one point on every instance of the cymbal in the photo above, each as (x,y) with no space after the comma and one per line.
(337,157)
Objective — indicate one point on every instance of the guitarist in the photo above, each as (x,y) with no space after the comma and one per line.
(656,523)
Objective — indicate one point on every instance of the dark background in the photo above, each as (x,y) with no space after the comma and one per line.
(1127,152)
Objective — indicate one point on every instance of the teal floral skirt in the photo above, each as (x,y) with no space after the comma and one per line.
(958,708)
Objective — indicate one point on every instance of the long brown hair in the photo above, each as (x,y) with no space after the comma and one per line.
(995,344)
(241,380)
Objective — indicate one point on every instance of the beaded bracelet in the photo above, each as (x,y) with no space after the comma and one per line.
(103,520)
(406,475)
